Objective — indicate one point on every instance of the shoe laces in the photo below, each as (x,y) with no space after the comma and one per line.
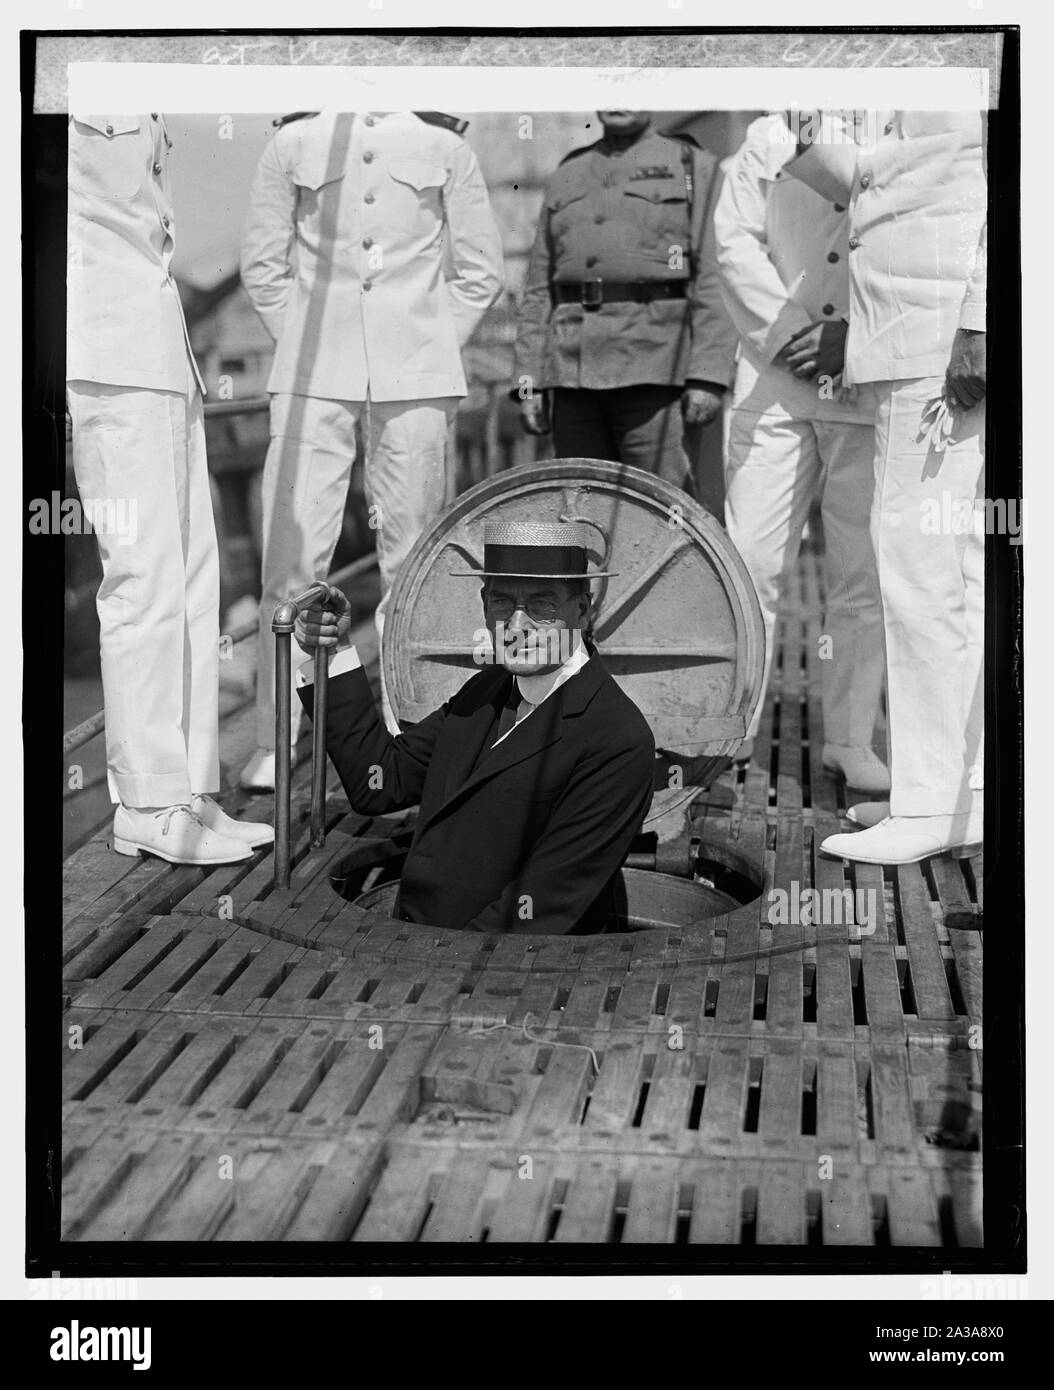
(166,817)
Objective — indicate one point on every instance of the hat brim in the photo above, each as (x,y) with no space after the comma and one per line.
(516,574)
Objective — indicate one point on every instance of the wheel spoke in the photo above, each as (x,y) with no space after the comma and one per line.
(613,611)
(725,651)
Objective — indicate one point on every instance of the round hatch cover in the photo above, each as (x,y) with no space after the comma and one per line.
(678,626)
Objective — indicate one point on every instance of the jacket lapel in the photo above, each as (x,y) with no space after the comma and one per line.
(471,766)
(470,733)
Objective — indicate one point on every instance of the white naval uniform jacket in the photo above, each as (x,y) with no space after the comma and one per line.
(124,321)
(782,252)
(918,238)
(352,219)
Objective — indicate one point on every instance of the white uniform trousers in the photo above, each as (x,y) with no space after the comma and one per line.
(775,466)
(158,602)
(305,488)
(928,530)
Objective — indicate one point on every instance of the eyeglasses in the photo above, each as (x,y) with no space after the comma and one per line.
(539,610)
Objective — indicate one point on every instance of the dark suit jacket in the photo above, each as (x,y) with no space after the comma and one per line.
(527,837)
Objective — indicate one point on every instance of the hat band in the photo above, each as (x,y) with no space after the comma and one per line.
(534,559)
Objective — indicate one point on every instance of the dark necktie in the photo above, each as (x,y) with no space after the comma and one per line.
(507,718)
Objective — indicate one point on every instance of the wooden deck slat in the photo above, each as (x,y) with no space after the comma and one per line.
(670,1093)
(845,1210)
(523,1212)
(269,1187)
(400,1201)
(913,1217)
(344,1088)
(457,1214)
(928,974)
(716,1206)
(724,1106)
(780,1114)
(784,1008)
(652,1211)
(615,1093)
(837,1129)
(781,1205)
(334,1204)
(590,1203)
(557,1104)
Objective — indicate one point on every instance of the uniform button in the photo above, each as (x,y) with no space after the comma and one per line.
(865,180)
(153,115)
(157,168)
(828,308)
(854,242)
(599,218)
(367,241)
(839,208)
(833,256)
(367,284)
(369,120)
(109,130)
(367,158)
(368,198)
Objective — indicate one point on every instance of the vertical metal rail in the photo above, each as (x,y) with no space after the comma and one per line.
(282,625)
(318,749)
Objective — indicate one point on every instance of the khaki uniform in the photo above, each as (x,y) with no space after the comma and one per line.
(354,223)
(138,439)
(639,221)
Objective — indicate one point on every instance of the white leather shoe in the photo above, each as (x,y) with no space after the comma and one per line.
(258,774)
(907,839)
(176,834)
(860,767)
(865,814)
(252,833)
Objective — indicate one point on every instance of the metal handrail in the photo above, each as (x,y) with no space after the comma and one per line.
(92,726)
(282,625)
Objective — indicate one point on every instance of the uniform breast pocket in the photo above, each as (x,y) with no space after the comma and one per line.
(567,211)
(107,156)
(659,214)
(417,186)
(319,188)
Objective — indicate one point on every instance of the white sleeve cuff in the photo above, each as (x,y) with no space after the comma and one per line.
(347,660)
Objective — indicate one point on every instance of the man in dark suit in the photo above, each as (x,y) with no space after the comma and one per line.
(532,780)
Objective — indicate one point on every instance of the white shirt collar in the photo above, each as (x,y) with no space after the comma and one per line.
(535,689)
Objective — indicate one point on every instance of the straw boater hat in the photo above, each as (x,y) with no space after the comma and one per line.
(535,550)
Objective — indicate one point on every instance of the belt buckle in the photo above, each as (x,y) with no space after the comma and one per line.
(592,293)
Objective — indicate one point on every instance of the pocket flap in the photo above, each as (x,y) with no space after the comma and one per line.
(314,171)
(564,198)
(656,193)
(418,173)
(108,125)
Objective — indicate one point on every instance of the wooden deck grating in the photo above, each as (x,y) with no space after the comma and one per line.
(243,1063)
